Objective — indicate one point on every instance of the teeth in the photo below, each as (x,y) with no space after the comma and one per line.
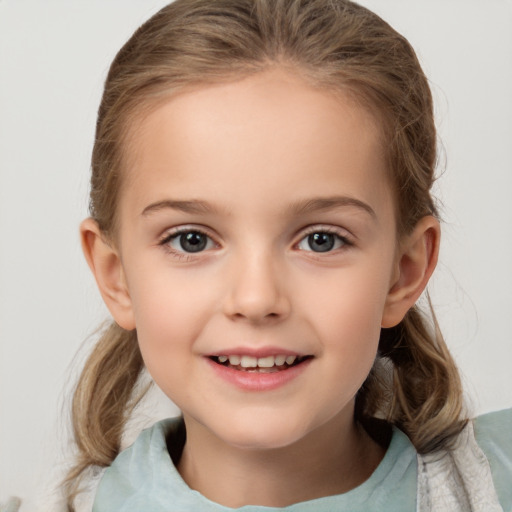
(234,360)
(280,360)
(290,359)
(261,362)
(266,362)
(247,362)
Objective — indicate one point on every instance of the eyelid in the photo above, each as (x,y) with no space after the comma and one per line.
(326,228)
(185,228)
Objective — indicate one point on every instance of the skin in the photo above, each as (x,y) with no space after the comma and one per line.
(257,165)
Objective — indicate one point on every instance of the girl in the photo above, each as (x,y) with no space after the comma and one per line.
(261,229)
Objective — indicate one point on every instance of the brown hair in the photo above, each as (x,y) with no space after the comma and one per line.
(335,44)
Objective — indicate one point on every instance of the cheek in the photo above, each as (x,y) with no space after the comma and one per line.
(169,316)
(352,296)
(165,300)
(167,324)
(346,310)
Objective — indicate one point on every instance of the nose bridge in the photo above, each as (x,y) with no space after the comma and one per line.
(257,288)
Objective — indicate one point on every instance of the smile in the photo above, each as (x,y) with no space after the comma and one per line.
(267,364)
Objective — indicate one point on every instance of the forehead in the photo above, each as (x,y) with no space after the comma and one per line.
(268,131)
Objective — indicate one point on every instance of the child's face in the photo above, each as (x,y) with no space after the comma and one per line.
(256,220)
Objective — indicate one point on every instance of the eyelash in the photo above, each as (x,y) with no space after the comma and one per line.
(342,239)
(176,234)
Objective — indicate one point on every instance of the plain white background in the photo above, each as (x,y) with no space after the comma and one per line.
(54,56)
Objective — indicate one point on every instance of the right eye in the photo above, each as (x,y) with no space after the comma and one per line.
(189,241)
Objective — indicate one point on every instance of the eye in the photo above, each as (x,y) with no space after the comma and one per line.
(322,241)
(189,241)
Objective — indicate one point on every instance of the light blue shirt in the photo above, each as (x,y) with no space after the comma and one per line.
(143,477)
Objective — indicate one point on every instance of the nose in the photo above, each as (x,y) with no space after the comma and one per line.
(257,290)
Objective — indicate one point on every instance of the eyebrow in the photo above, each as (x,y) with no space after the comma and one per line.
(328,203)
(300,208)
(190,206)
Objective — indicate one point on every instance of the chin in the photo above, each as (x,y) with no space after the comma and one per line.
(262,434)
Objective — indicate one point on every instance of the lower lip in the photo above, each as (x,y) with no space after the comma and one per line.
(256,381)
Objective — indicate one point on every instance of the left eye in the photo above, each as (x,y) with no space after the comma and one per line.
(190,241)
(321,241)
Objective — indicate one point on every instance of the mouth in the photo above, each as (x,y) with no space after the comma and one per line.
(267,364)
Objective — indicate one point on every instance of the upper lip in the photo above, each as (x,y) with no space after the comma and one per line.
(256,352)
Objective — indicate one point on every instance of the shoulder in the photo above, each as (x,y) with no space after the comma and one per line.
(12,505)
(141,470)
(474,473)
(493,433)
(495,427)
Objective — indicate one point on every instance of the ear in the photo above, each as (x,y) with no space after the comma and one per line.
(106,266)
(416,260)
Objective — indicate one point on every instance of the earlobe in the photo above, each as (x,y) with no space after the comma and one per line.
(416,262)
(106,266)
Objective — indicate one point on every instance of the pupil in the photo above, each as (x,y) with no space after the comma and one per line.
(321,242)
(193,241)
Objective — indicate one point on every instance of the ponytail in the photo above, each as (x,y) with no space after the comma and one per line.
(102,402)
(415,384)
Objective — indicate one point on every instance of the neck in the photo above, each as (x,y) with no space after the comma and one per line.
(333,459)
